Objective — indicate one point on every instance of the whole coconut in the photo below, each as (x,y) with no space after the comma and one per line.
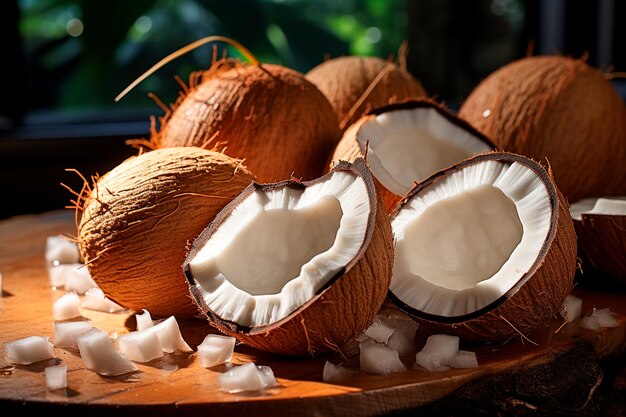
(560,109)
(356,84)
(269,115)
(138,219)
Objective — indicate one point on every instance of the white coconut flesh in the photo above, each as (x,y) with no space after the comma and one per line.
(612,206)
(464,241)
(409,145)
(279,247)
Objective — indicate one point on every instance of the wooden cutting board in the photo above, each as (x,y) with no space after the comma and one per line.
(177,385)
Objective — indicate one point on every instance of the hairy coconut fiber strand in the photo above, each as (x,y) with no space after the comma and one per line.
(140,216)
(560,109)
(268,115)
(355,84)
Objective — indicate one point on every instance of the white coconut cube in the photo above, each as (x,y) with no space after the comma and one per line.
(61,251)
(590,323)
(572,308)
(464,359)
(66,307)
(215,350)
(79,280)
(377,358)
(95,299)
(144,320)
(438,352)
(57,274)
(336,373)
(28,350)
(140,346)
(169,335)
(56,377)
(66,333)
(380,330)
(247,377)
(605,317)
(99,355)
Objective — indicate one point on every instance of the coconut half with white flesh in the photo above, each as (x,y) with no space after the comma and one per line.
(600,225)
(407,142)
(296,267)
(485,249)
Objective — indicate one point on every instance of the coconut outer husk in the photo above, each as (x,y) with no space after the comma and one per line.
(268,115)
(349,149)
(355,85)
(343,308)
(560,109)
(139,217)
(539,293)
(602,240)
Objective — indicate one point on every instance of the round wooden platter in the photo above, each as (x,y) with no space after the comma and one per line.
(178,385)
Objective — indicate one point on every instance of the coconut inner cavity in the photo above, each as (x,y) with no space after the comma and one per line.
(409,145)
(463,240)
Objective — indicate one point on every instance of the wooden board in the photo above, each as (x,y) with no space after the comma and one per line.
(177,385)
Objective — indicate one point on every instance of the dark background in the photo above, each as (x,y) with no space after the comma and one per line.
(65,60)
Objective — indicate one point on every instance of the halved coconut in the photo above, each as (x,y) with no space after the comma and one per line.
(296,267)
(485,250)
(408,142)
(600,224)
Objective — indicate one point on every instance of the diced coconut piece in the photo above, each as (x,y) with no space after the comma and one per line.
(605,317)
(438,352)
(95,299)
(79,280)
(376,358)
(140,346)
(336,373)
(57,274)
(29,350)
(169,336)
(571,309)
(464,359)
(247,377)
(380,330)
(590,323)
(215,350)
(56,377)
(66,307)
(61,251)
(99,355)
(66,333)
(144,320)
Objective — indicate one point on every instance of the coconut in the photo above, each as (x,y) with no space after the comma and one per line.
(407,142)
(138,218)
(295,267)
(356,84)
(485,250)
(269,115)
(600,224)
(560,109)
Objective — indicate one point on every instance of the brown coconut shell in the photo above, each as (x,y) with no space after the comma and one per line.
(602,240)
(354,85)
(343,308)
(139,217)
(269,115)
(349,149)
(539,293)
(560,109)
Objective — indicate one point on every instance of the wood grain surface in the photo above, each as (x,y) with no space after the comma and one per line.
(178,385)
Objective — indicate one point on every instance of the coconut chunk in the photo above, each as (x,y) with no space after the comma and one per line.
(66,307)
(99,355)
(66,333)
(590,323)
(605,317)
(144,320)
(140,346)
(56,377)
(571,309)
(438,353)
(336,373)
(215,350)
(376,358)
(380,330)
(464,359)
(247,377)
(95,299)
(170,338)
(60,251)
(28,350)
(78,279)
